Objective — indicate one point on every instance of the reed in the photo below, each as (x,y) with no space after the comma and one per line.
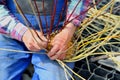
(98,35)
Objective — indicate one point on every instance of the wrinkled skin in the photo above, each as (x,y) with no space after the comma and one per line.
(36,44)
(59,42)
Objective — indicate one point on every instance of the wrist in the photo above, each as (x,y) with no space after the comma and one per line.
(71,26)
(70,29)
(76,22)
(18,32)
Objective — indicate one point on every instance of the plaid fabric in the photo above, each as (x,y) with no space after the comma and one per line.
(77,11)
(10,26)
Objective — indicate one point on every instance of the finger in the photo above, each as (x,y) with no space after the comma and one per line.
(33,49)
(36,45)
(42,36)
(32,46)
(54,57)
(62,56)
(58,55)
(53,51)
(37,33)
(42,40)
(39,42)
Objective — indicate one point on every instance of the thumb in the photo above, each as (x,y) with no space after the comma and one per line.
(42,37)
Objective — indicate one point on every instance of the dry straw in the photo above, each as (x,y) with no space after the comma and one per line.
(97,32)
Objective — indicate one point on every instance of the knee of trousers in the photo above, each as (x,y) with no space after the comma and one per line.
(47,69)
(12,64)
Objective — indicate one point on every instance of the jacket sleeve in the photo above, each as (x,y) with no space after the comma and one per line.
(9,25)
(77,10)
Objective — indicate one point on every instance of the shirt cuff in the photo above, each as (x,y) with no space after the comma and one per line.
(18,31)
(76,22)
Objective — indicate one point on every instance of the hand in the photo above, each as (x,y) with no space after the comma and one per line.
(60,42)
(34,41)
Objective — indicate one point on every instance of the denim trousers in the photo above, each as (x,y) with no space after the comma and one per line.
(13,64)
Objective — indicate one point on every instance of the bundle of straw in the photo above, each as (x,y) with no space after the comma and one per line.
(99,35)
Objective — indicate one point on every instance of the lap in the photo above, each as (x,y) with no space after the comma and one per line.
(12,63)
(47,69)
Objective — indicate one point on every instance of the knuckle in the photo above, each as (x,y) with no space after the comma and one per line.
(30,43)
(29,48)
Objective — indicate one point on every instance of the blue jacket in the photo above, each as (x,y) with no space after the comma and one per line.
(32,19)
(13,25)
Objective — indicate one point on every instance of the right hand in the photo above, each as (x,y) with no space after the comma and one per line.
(33,41)
(60,42)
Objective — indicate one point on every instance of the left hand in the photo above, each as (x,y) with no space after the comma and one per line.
(60,41)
